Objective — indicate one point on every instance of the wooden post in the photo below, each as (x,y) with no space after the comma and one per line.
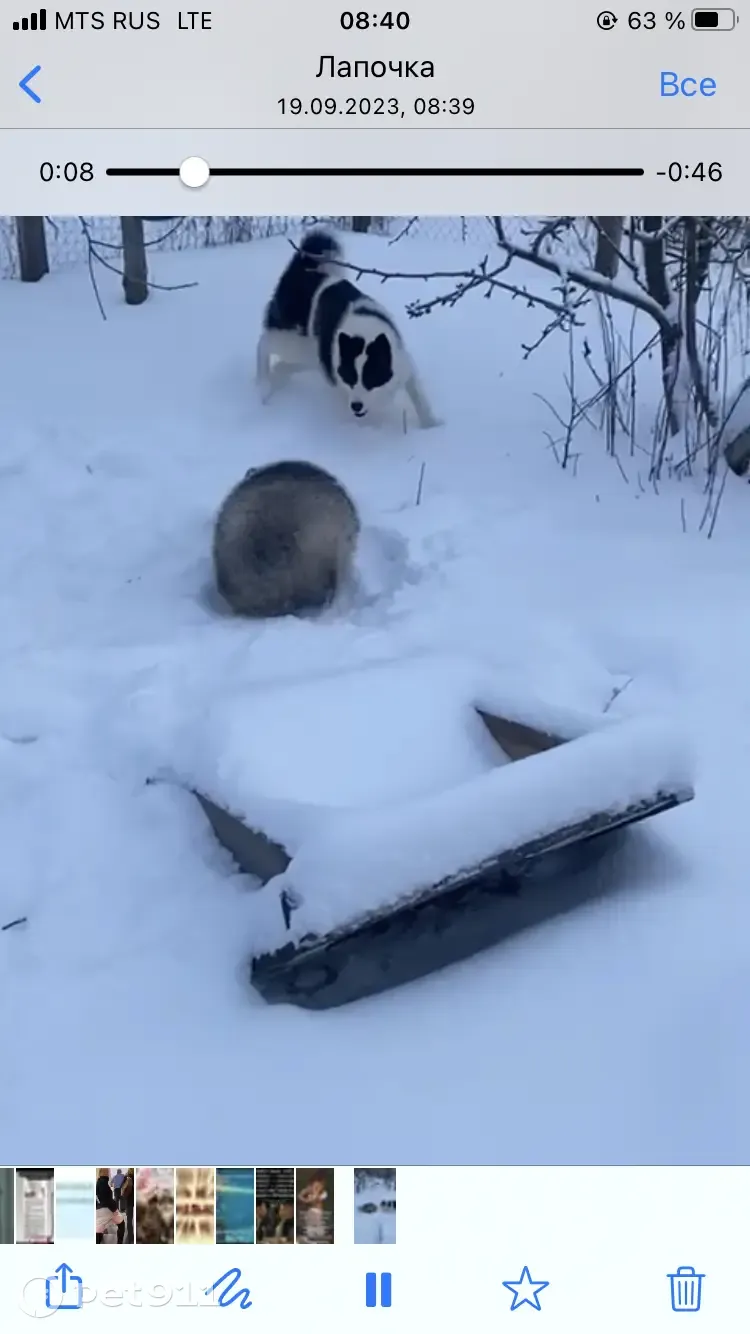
(134,265)
(608,244)
(33,261)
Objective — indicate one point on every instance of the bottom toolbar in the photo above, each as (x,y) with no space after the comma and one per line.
(474,1245)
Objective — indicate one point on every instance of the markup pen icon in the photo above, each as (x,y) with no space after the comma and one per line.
(687,1289)
(63,1291)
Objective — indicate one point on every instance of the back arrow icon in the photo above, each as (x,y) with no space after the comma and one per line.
(26,80)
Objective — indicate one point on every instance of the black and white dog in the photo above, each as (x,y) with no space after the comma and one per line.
(316,317)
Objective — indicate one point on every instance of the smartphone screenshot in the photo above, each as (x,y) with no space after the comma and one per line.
(35,1207)
(373,726)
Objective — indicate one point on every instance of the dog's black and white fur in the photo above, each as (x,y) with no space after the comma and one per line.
(316,317)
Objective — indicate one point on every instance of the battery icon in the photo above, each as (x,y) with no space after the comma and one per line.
(714,20)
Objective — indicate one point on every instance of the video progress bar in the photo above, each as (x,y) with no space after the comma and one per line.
(387,171)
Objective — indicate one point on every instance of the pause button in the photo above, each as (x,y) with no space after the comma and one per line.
(371,1289)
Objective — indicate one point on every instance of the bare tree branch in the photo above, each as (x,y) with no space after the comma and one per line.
(94,256)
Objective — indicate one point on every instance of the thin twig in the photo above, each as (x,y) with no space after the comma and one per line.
(618,690)
(421,482)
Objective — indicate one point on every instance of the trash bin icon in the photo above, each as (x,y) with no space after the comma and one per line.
(686,1289)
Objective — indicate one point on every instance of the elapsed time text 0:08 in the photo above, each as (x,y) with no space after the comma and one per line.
(66,171)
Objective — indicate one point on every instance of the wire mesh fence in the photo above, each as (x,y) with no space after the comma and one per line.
(68,238)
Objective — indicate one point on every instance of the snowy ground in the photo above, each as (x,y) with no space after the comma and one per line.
(374,1222)
(617,1035)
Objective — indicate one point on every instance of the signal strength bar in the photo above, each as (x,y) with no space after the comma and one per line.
(36,22)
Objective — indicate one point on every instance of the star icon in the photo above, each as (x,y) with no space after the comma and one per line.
(525,1290)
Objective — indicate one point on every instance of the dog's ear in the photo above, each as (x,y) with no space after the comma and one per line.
(350,347)
(378,367)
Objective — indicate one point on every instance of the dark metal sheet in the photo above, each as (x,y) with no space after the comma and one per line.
(451,921)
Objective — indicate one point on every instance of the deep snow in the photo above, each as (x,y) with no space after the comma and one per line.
(616,1035)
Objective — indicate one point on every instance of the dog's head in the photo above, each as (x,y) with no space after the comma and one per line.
(369,363)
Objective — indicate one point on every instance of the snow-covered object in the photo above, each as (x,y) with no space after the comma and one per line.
(372,736)
(736,434)
(383,781)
